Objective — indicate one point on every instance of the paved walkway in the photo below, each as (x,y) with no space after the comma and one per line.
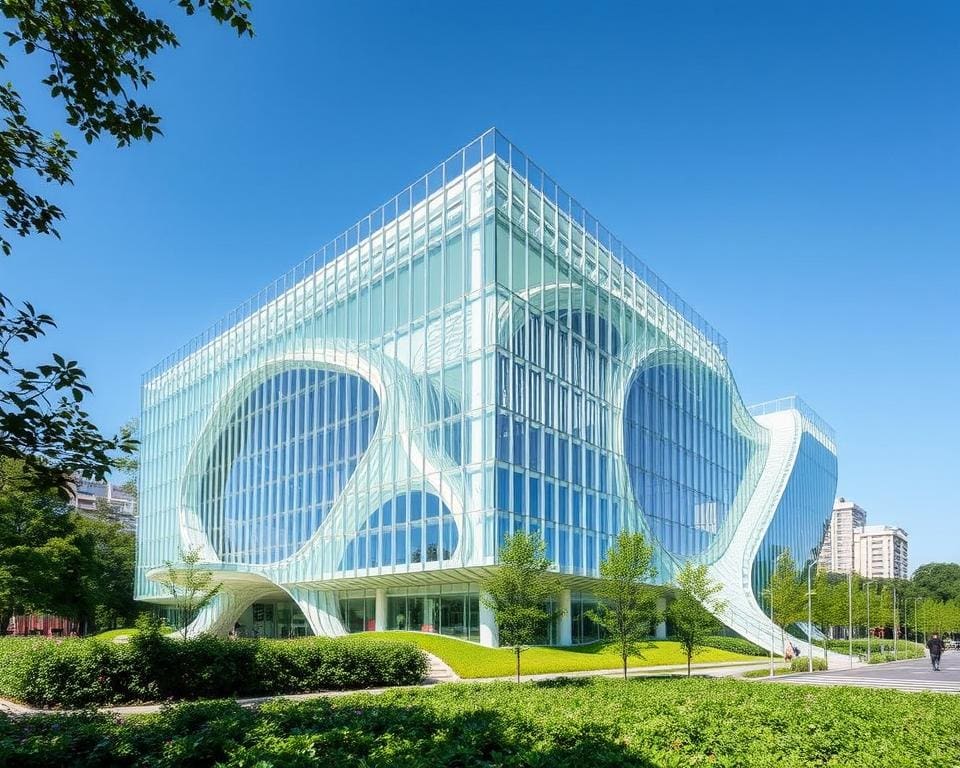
(914,675)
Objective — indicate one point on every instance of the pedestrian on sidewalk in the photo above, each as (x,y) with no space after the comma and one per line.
(935,646)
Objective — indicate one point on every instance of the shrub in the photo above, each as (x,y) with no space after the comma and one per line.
(596,722)
(802,664)
(878,645)
(79,673)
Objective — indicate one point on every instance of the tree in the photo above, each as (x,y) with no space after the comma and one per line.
(128,463)
(694,608)
(97,52)
(822,604)
(518,590)
(42,421)
(109,560)
(940,581)
(627,607)
(56,560)
(191,587)
(787,596)
(39,562)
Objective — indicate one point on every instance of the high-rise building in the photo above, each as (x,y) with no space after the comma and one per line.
(477,357)
(103,498)
(836,553)
(880,552)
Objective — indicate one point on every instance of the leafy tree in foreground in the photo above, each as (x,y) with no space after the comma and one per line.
(42,420)
(190,586)
(627,608)
(693,610)
(518,592)
(97,53)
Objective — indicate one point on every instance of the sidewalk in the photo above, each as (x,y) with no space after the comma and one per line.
(721,669)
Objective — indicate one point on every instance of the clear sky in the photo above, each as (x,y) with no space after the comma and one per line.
(791,169)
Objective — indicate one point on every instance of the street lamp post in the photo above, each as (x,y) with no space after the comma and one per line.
(869,627)
(896,622)
(916,621)
(772,633)
(850,615)
(809,619)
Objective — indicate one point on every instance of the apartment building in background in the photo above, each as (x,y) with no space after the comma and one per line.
(851,546)
(110,501)
(836,552)
(880,552)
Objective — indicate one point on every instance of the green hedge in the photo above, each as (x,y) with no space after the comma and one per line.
(78,673)
(733,644)
(736,645)
(802,664)
(877,645)
(571,723)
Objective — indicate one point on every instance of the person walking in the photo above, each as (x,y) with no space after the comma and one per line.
(935,646)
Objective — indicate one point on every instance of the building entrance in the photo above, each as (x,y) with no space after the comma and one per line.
(272,619)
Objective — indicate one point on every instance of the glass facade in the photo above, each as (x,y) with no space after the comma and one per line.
(476,357)
(798,525)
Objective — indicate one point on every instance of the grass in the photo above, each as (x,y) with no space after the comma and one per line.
(470,660)
(601,723)
(112,634)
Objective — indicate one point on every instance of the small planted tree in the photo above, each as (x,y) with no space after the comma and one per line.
(788,597)
(694,608)
(190,587)
(627,608)
(518,592)
(823,599)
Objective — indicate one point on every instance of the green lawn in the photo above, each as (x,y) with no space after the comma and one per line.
(470,660)
(113,634)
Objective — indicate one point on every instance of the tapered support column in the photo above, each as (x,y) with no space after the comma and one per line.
(565,635)
(661,631)
(320,610)
(380,610)
(221,613)
(489,635)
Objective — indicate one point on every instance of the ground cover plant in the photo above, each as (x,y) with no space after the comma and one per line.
(654,723)
(150,667)
(470,660)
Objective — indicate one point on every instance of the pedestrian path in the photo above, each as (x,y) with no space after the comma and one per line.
(438,671)
(913,675)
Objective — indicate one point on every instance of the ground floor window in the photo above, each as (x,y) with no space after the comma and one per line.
(272,619)
(358,612)
(447,609)
(583,629)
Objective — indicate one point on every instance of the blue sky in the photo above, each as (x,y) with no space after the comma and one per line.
(792,170)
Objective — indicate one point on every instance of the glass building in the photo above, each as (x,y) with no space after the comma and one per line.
(476,357)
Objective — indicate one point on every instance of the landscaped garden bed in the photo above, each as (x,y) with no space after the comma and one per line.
(597,722)
(470,660)
(80,673)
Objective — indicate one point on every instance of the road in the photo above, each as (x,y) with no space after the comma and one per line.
(915,675)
